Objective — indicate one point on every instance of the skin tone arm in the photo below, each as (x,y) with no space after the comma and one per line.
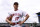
(8,20)
(25,19)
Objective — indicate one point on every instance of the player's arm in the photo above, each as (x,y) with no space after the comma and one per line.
(8,19)
(27,16)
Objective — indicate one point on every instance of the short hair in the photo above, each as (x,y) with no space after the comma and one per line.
(15,3)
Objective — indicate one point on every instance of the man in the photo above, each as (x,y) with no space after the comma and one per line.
(15,16)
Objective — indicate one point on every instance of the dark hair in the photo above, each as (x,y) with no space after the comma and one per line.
(15,3)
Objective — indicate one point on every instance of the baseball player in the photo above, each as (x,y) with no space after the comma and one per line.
(15,16)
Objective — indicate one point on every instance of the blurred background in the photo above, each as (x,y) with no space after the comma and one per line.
(32,7)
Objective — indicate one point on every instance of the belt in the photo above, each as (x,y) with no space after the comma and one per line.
(15,23)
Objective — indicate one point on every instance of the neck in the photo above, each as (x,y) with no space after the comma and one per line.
(15,9)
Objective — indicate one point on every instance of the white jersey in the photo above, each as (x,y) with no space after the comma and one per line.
(17,15)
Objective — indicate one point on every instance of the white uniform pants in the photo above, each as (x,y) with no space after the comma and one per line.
(16,25)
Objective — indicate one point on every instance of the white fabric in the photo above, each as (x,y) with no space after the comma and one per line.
(24,13)
(18,13)
(16,25)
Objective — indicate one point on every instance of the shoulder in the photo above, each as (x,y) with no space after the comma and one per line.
(10,12)
(20,10)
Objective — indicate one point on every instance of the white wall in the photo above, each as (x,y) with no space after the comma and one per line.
(30,6)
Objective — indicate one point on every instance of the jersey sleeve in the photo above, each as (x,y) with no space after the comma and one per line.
(24,13)
(8,14)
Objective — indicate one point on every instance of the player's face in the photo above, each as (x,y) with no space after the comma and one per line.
(15,6)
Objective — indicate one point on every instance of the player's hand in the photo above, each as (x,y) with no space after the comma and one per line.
(21,22)
(11,23)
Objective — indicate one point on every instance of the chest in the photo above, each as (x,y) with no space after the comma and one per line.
(17,13)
